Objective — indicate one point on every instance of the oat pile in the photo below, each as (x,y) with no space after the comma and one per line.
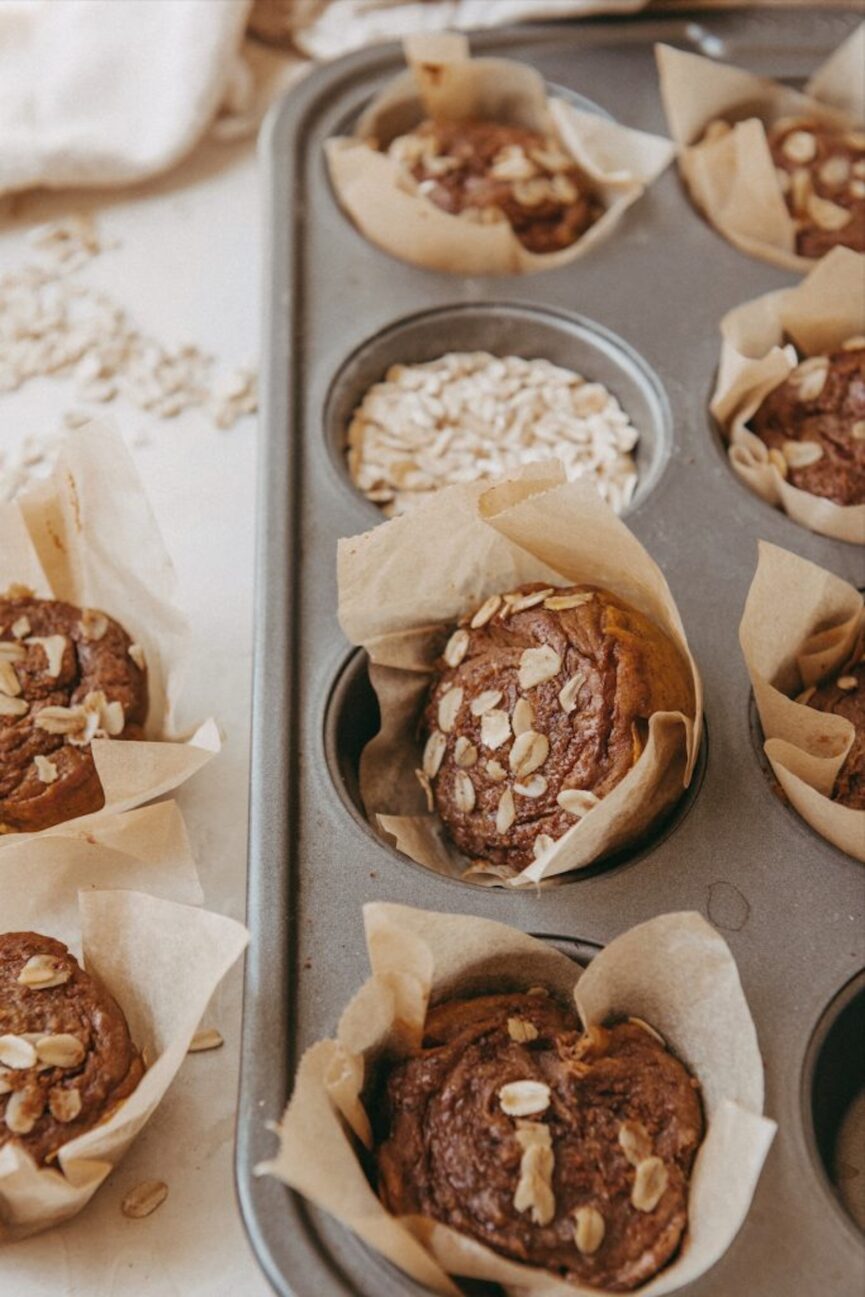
(51,325)
(469,416)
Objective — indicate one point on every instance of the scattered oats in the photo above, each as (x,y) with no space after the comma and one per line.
(561,602)
(43,971)
(589,1229)
(529,752)
(10,685)
(53,646)
(802,454)
(448,707)
(456,647)
(536,787)
(520,1030)
(23,1110)
(465,753)
(464,792)
(799,146)
(495,728)
(21,627)
(568,693)
(635,1142)
(94,624)
(16,1052)
(472,416)
(854,343)
(577,801)
(496,771)
(506,813)
(809,377)
(433,753)
(13,706)
(485,702)
(522,602)
(835,171)
(62,1050)
(144,1198)
(524,1098)
(206,1038)
(857,432)
(11,652)
(827,215)
(136,652)
(524,716)
(847,683)
(534,1190)
(650,1181)
(64,1105)
(537,665)
(94,718)
(486,612)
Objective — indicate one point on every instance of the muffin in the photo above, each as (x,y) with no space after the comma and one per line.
(814,425)
(66,1059)
(821,171)
(844,695)
(67,676)
(539,706)
(562,1149)
(490,172)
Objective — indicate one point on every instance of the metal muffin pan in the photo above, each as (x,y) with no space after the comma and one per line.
(790,905)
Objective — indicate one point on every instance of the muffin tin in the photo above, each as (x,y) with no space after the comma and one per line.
(640,314)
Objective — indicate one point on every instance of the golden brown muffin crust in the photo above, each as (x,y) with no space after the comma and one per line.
(844,695)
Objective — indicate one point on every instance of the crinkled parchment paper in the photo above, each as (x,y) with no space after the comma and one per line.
(87,535)
(675,972)
(761,340)
(403,585)
(732,180)
(800,625)
(445,82)
(161,958)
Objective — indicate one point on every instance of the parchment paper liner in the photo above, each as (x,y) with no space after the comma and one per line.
(404,584)
(161,960)
(732,180)
(675,972)
(819,314)
(87,535)
(444,81)
(800,625)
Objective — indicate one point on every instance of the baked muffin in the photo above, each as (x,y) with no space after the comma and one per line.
(488,172)
(821,171)
(844,695)
(66,1059)
(814,425)
(560,1149)
(539,706)
(67,676)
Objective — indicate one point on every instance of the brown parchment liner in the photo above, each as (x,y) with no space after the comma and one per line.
(674,972)
(403,585)
(87,535)
(759,347)
(161,957)
(443,81)
(732,180)
(800,625)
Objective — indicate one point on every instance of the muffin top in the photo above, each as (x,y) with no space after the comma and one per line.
(844,695)
(821,170)
(814,425)
(489,172)
(66,1059)
(67,676)
(539,706)
(559,1148)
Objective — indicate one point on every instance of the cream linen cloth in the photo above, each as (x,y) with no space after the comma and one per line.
(108,92)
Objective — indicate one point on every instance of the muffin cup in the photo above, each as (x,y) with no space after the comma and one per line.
(161,960)
(403,585)
(444,82)
(800,625)
(732,179)
(819,315)
(674,972)
(87,536)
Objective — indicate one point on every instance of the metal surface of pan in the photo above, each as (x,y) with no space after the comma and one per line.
(641,313)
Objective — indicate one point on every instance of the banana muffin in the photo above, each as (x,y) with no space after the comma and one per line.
(558,1148)
(66,1059)
(821,171)
(488,172)
(67,675)
(814,425)
(539,706)
(844,695)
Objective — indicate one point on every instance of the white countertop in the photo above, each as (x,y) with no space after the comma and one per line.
(186,269)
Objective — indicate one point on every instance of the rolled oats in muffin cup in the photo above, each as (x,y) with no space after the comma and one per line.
(802,635)
(91,647)
(779,173)
(500,622)
(660,1011)
(465,165)
(790,396)
(86,947)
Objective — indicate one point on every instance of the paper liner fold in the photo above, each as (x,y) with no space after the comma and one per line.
(443,81)
(469,542)
(675,972)
(732,179)
(87,535)
(759,350)
(159,957)
(800,625)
